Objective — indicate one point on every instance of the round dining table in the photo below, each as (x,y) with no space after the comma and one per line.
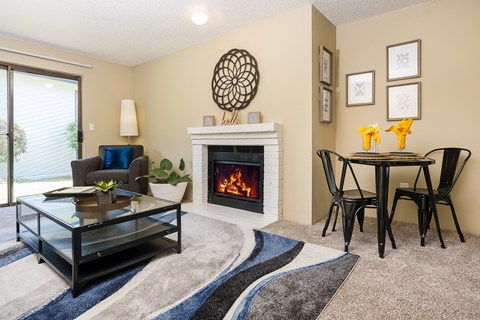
(382,164)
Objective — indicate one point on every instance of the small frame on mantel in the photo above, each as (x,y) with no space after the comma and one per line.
(254,117)
(208,121)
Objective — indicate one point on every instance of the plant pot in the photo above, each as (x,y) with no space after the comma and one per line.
(167,191)
(108,197)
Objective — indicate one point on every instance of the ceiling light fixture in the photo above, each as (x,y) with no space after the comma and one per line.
(199,17)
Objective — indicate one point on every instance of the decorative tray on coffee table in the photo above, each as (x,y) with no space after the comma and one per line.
(91,205)
(78,192)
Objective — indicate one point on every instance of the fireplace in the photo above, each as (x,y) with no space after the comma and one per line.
(235,177)
(265,135)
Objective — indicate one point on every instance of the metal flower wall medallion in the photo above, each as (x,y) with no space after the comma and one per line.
(235,80)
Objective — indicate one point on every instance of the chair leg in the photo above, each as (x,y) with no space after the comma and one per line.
(437,223)
(390,234)
(336,217)
(348,219)
(327,222)
(423,209)
(395,199)
(429,218)
(457,225)
(361,217)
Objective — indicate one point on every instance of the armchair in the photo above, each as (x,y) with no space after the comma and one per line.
(114,162)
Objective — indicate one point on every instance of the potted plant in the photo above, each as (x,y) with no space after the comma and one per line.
(106,191)
(167,182)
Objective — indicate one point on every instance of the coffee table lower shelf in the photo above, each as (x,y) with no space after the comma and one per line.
(105,265)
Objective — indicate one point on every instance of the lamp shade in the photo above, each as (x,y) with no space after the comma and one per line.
(128,119)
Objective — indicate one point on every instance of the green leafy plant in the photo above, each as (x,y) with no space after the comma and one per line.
(165,173)
(19,141)
(72,135)
(106,185)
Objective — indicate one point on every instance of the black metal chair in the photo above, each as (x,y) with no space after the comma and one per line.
(450,171)
(352,202)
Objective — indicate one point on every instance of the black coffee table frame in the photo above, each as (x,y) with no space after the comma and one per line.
(81,249)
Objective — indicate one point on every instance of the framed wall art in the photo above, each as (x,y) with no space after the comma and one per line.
(403,101)
(326,65)
(361,88)
(326,103)
(403,60)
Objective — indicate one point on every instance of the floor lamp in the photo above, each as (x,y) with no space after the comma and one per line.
(128,119)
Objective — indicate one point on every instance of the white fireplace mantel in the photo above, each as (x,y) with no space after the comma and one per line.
(268,135)
(242,131)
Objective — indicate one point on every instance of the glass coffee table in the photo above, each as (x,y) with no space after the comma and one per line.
(82,246)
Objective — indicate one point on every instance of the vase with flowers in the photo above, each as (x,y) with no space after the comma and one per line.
(401,130)
(370,133)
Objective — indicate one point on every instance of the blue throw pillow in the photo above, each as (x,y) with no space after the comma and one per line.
(117,158)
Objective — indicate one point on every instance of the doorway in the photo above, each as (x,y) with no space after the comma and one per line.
(39,121)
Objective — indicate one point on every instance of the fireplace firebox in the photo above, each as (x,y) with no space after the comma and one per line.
(235,177)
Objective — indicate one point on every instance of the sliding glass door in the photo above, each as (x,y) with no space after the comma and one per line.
(4,136)
(41,132)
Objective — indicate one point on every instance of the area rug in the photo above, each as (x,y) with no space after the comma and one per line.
(224,272)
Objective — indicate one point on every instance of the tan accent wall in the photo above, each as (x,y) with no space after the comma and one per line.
(449,99)
(103,87)
(175,92)
(323,134)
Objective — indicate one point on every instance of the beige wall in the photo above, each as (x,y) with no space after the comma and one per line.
(103,87)
(175,93)
(323,134)
(450,104)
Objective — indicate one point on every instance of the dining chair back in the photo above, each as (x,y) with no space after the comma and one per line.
(351,202)
(453,162)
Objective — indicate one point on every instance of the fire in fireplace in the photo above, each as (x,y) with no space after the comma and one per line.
(237,180)
(235,177)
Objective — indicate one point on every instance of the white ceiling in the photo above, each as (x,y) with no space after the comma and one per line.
(131,32)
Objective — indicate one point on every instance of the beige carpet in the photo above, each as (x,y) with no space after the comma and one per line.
(411,282)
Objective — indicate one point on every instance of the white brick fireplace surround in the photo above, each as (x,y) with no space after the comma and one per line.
(268,135)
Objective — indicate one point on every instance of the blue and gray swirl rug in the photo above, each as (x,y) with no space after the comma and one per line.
(224,272)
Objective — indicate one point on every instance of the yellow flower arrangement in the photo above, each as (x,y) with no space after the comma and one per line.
(369,132)
(401,130)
